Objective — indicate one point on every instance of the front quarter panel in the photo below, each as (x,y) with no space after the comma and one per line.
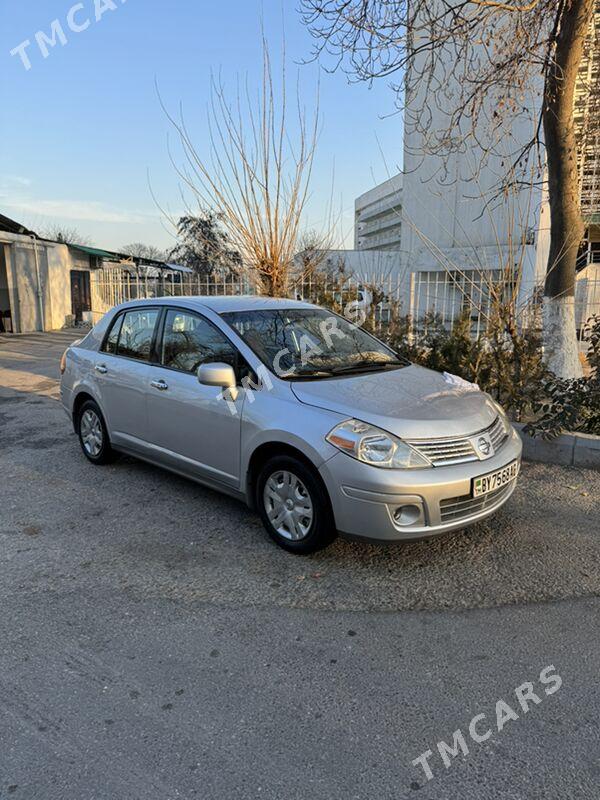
(278,417)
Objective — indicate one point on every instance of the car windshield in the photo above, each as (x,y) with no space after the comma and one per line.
(298,343)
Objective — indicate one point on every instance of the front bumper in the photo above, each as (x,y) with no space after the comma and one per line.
(364,498)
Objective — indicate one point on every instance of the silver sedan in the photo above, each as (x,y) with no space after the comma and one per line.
(315,423)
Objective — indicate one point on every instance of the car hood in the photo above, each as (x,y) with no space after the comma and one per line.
(413,402)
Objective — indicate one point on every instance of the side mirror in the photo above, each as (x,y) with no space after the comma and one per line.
(221,375)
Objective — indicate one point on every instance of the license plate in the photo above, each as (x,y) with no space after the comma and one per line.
(495,480)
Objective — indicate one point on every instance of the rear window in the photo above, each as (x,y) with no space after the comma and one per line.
(110,345)
(132,334)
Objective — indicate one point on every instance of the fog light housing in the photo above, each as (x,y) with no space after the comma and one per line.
(407,515)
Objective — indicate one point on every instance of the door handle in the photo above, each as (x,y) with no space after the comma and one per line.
(101,369)
(160,385)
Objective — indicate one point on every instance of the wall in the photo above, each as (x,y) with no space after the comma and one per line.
(60,264)
(60,261)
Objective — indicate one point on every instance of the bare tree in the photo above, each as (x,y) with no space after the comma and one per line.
(145,251)
(480,65)
(313,250)
(255,174)
(65,235)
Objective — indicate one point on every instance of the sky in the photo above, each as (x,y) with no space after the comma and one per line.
(85,143)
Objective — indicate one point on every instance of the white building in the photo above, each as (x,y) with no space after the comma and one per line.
(378,216)
(451,240)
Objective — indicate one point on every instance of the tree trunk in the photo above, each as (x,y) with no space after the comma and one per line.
(566,224)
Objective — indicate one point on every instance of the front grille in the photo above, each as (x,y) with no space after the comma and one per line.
(444,452)
(498,434)
(455,508)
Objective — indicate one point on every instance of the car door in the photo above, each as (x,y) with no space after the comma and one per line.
(121,372)
(193,427)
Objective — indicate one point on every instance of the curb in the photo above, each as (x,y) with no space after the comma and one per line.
(568,449)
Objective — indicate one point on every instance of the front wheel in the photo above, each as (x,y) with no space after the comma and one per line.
(93,436)
(294,506)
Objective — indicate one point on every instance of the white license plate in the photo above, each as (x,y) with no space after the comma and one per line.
(496,480)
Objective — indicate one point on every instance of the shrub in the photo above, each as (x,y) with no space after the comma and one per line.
(572,405)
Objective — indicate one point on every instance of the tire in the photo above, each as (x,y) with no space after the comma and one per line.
(92,433)
(286,487)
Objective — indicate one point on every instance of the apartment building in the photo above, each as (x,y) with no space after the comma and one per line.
(378,216)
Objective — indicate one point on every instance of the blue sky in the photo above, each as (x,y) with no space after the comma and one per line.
(82,129)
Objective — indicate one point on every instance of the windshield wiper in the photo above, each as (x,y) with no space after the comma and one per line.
(367,366)
(308,374)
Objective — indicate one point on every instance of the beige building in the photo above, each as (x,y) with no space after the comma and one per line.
(47,285)
(44,285)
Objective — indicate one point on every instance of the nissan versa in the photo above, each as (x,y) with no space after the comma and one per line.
(314,422)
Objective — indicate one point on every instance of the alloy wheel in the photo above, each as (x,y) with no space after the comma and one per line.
(92,435)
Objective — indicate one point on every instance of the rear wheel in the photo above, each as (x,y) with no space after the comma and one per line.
(93,435)
(294,505)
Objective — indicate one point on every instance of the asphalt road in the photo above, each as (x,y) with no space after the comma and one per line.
(155,644)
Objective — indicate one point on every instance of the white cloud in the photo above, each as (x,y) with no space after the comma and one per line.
(74,210)
(12,181)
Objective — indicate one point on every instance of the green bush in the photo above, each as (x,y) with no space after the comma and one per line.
(571,405)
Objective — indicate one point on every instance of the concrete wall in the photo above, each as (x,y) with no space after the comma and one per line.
(59,267)
(61,260)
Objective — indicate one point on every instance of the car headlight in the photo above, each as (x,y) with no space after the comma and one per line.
(374,446)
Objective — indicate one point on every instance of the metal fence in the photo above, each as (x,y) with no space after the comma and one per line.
(111,287)
(423,298)
(114,286)
(444,297)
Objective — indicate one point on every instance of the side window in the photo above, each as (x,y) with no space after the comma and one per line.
(110,345)
(137,330)
(189,341)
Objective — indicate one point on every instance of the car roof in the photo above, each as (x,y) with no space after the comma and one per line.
(221,305)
